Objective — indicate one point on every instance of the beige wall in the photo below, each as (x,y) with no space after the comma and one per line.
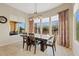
(11,14)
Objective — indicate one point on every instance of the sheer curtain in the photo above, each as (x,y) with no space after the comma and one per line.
(31,27)
(64,28)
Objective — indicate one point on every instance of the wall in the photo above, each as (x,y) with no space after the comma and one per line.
(11,14)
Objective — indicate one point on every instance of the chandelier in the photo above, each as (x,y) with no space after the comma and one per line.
(36,11)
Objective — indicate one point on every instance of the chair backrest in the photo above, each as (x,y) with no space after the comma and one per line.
(31,36)
(24,33)
(50,37)
(24,36)
(52,40)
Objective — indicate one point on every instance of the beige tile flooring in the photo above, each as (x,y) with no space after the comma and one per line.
(16,49)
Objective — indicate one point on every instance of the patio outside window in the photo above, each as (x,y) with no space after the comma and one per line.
(54,23)
(45,26)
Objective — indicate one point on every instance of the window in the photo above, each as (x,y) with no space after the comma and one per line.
(45,26)
(21,26)
(54,23)
(77,24)
(16,27)
(37,25)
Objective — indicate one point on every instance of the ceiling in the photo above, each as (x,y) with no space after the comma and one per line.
(29,8)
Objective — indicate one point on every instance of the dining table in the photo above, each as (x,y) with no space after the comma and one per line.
(42,39)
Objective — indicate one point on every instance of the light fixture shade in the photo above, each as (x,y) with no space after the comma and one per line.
(35,14)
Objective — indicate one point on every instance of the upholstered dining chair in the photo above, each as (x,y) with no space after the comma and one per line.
(32,42)
(52,43)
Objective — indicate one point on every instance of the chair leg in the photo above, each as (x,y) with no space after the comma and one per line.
(27,46)
(35,50)
(30,48)
(55,47)
(23,45)
(53,51)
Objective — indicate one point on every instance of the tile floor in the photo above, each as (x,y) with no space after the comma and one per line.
(16,49)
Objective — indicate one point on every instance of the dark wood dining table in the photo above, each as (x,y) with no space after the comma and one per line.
(43,40)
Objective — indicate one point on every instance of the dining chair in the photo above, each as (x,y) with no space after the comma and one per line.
(24,39)
(52,43)
(32,42)
(24,33)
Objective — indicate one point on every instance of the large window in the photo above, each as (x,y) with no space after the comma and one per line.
(16,27)
(21,27)
(37,25)
(54,23)
(45,26)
